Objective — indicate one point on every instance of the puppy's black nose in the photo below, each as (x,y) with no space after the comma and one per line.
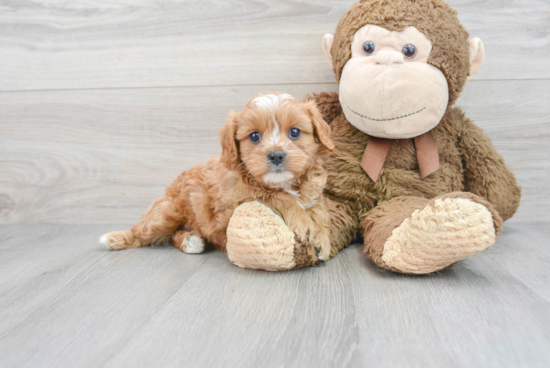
(276,157)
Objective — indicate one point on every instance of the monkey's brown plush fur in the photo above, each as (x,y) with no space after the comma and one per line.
(409,224)
(469,162)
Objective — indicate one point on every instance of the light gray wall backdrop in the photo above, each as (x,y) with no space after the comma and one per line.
(104,103)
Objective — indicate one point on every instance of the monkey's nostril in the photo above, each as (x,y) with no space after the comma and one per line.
(276,157)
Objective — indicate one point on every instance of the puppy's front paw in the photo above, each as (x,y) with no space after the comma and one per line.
(303,229)
(310,235)
(323,247)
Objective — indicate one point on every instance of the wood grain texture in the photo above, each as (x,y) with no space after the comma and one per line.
(146,43)
(103,103)
(102,156)
(67,302)
(68,149)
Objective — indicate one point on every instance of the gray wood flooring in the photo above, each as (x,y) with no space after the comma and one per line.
(103,103)
(67,302)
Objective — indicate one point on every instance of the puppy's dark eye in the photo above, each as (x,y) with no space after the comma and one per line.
(409,51)
(255,137)
(294,133)
(368,47)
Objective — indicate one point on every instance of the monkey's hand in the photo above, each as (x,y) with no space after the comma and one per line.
(258,238)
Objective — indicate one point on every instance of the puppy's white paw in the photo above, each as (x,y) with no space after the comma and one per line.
(193,244)
(117,240)
(104,239)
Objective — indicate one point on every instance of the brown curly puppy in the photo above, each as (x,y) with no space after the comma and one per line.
(272,152)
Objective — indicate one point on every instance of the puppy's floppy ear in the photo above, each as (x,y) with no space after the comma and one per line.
(322,129)
(230,149)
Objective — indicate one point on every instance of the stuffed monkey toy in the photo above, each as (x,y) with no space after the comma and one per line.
(410,175)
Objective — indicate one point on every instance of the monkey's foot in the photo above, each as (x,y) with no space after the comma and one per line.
(434,235)
(258,238)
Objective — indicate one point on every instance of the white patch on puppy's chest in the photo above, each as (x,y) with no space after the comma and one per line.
(312,203)
(298,196)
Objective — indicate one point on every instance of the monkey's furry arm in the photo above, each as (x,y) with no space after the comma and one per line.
(485,172)
(327,103)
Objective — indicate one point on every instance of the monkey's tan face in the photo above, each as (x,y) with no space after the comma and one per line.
(387,88)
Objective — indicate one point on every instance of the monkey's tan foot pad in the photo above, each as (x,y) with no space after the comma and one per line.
(258,238)
(442,233)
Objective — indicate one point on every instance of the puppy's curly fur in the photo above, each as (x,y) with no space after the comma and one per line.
(198,205)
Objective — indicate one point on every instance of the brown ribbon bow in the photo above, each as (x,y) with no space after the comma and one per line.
(377,150)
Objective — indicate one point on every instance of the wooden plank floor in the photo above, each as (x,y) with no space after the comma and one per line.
(103,103)
(67,302)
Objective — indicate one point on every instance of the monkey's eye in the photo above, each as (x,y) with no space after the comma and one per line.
(255,137)
(368,47)
(294,133)
(409,51)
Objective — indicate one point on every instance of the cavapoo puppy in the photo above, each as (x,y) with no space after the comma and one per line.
(272,151)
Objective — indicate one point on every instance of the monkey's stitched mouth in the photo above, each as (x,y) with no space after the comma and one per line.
(399,117)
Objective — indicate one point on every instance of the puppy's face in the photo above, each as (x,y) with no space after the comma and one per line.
(276,137)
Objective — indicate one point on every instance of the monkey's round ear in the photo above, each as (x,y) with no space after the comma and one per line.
(321,128)
(328,40)
(230,150)
(477,53)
